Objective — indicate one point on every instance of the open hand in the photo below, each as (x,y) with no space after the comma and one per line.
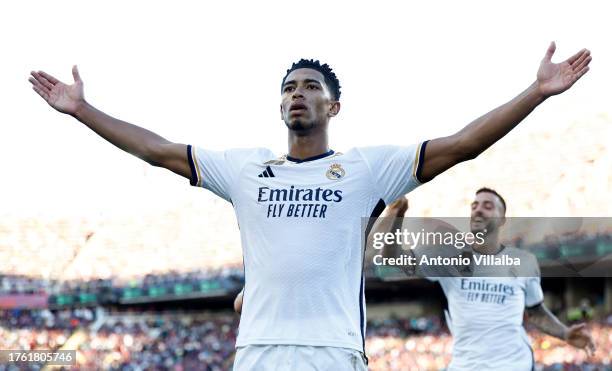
(64,98)
(555,78)
(578,336)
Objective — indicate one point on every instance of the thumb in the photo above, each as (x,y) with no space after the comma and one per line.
(550,51)
(75,74)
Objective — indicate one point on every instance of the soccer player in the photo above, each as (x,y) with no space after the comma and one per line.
(485,314)
(299,213)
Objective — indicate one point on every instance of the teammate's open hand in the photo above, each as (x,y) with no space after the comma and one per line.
(578,336)
(64,98)
(555,78)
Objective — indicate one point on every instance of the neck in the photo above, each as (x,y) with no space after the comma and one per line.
(304,146)
(490,246)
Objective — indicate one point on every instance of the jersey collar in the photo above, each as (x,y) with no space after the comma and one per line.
(317,157)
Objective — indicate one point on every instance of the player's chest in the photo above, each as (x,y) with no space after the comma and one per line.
(305,190)
(327,181)
(499,291)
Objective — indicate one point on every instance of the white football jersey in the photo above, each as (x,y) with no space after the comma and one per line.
(485,315)
(300,223)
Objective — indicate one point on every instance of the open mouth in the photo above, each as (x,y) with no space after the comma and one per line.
(297,107)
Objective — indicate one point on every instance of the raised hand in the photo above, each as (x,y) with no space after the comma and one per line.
(555,78)
(578,336)
(64,98)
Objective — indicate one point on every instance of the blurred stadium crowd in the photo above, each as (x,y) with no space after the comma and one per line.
(205,341)
(25,270)
(195,341)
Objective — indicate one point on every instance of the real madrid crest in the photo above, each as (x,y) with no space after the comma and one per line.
(335,172)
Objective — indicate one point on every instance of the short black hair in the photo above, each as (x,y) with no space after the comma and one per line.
(489,190)
(331,80)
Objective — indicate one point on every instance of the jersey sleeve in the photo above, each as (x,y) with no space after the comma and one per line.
(217,170)
(395,169)
(533,289)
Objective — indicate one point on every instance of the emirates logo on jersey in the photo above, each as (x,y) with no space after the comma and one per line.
(335,172)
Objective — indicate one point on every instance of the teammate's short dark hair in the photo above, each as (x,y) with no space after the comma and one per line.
(489,190)
(332,82)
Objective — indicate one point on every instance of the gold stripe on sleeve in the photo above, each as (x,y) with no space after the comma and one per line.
(197,167)
(415,164)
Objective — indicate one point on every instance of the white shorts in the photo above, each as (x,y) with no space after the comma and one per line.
(298,358)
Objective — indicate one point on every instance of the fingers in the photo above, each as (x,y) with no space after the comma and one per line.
(575,57)
(50,78)
(591,347)
(580,73)
(580,330)
(42,80)
(38,86)
(75,74)
(582,62)
(40,92)
(581,57)
(550,51)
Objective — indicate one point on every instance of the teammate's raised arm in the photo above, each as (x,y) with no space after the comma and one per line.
(552,78)
(150,147)
(546,322)
(389,223)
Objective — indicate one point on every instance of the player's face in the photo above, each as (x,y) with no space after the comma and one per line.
(306,100)
(487,213)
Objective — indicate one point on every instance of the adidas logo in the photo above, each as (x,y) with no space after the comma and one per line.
(267,173)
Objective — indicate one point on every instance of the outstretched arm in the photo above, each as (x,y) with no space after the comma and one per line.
(546,322)
(140,142)
(552,78)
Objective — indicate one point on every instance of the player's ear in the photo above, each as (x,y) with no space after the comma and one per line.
(334,108)
(281,111)
(502,220)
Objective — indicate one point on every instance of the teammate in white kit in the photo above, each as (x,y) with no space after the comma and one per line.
(299,214)
(485,311)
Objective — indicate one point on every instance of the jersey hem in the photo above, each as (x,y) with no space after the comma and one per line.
(313,342)
(531,306)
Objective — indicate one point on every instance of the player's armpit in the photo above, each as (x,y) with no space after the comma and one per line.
(172,156)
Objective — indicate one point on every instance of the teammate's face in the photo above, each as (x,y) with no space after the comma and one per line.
(306,100)
(487,213)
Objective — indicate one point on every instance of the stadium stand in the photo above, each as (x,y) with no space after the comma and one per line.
(205,341)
